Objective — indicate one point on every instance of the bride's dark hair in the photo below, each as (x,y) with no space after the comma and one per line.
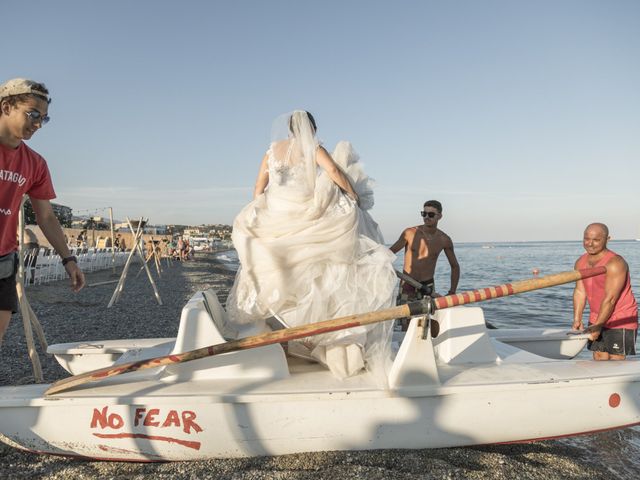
(311,119)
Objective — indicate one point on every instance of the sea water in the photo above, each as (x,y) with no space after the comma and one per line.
(490,264)
(486,265)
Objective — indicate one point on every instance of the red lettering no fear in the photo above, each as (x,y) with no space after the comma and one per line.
(152,417)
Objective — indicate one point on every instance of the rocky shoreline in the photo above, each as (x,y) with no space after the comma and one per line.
(69,317)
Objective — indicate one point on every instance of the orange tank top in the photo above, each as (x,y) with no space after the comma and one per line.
(625,311)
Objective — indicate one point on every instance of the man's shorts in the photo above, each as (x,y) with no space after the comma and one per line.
(615,341)
(409,293)
(8,293)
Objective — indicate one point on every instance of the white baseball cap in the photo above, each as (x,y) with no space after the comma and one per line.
(20,86)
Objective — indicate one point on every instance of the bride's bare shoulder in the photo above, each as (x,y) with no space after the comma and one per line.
(277,143)
(278,149)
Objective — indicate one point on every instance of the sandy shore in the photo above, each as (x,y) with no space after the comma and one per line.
(75,317)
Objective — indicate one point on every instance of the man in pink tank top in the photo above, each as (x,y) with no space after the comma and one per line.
(613,311)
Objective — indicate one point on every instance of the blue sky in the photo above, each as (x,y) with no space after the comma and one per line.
(523,118)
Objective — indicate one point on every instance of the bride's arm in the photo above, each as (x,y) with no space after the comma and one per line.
(263,178)
(335,174)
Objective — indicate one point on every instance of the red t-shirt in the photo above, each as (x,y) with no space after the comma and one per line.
(22,171)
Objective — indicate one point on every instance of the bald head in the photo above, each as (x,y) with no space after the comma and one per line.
(599,227)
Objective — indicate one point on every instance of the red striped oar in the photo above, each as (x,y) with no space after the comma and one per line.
(411,309)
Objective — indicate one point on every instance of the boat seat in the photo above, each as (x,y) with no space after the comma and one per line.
(218,315)
(463,337)
(198,326)
(81,357)
(203,322)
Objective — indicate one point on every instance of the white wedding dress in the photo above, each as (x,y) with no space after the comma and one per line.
(308,253)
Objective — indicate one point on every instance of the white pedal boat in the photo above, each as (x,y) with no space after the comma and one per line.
(461,388)
(81,357)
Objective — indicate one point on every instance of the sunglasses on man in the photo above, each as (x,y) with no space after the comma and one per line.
(428,214)
(35,116)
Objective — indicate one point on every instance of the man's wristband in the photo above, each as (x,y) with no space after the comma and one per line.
(66,260)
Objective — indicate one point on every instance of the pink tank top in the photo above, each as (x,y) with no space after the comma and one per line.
(625,311)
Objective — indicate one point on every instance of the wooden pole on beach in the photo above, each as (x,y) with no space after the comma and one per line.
(146,267)
(113,241)
(137,235)
(108,282)
(125,270)
(412,309)
(29,319)
(152,254)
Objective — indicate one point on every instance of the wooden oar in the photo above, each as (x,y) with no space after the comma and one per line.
(411,309)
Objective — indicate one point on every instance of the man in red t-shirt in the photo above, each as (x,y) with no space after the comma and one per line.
(613,311)
(24,105)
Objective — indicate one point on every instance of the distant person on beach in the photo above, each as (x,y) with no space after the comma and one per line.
(422,245)
(613,311)
(186,249)
(180,248)
(120,243)
(82,241)
(24,106)
(309,251)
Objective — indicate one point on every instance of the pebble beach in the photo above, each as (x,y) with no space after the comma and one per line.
(68,317)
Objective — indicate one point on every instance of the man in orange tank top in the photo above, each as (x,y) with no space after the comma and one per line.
(613,311)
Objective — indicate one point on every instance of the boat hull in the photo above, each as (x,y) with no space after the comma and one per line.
(447,387)
(170,427)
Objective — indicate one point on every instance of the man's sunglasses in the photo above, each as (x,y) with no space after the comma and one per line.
(36,116)
(428,214)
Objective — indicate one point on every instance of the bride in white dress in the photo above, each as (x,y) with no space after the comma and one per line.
(309,253)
